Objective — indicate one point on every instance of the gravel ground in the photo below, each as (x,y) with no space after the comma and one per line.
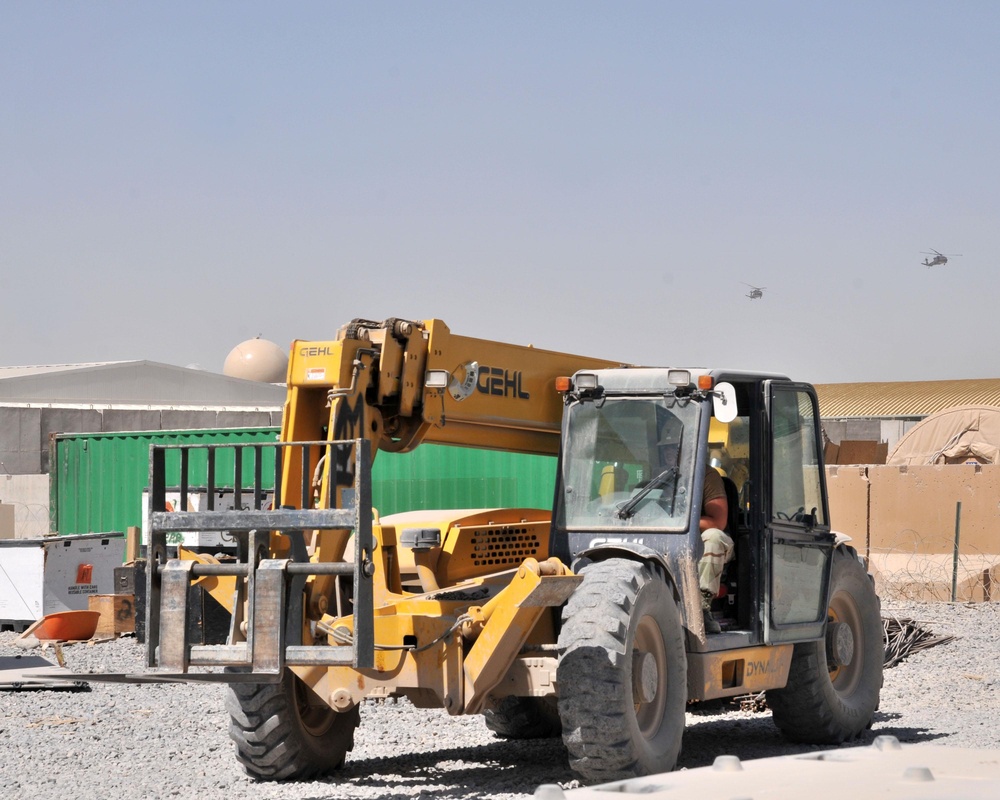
(171,741)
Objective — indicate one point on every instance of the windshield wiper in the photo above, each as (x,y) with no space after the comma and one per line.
(625,509)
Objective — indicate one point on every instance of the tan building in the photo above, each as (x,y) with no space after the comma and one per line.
(857,417)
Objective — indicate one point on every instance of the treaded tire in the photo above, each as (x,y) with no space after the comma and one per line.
(279,737)
(524,718)
(823,706)
(622,619)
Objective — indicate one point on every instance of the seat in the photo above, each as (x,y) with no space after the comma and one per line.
(613,480)
(733,503)
(736,574)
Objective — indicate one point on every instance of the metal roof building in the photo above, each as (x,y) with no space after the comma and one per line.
(38,401)
(132,383)
(104,397)
(884,412)
(904,400)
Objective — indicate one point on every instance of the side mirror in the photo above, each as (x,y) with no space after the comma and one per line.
(724,403)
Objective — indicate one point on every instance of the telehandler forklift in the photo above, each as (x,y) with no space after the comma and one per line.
(583,620)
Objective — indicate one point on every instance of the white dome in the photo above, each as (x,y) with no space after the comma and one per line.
(257,360)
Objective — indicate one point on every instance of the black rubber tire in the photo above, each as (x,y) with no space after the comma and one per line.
(524,718)
(279,736)
(823,706)
(623,609)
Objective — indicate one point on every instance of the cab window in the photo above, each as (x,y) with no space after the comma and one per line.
(796,483)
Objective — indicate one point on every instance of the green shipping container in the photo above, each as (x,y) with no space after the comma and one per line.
(438,476)
(97,479)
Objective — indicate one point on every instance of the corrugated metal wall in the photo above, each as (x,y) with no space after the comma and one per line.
(98,479)
(436,476)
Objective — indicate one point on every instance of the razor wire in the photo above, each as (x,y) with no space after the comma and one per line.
(921,567)
(31,520)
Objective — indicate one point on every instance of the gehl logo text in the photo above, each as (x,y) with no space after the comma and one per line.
(501,383)
(314,350)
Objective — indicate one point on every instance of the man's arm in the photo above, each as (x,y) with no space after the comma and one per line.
(714,514)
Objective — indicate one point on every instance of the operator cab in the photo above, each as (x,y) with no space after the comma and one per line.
(636,445)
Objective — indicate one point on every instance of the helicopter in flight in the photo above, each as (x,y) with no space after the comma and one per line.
(939,259)
(756,292)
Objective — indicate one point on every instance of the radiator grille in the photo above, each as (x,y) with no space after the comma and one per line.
(503,547)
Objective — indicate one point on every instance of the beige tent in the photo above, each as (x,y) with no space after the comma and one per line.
(957,435)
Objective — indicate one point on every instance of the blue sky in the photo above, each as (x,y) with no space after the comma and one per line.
(597,178)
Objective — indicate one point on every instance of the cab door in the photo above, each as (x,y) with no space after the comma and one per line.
(798,542)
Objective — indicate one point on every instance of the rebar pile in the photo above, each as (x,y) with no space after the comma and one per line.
(905,636)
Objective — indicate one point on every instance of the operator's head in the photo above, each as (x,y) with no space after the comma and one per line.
(669,453)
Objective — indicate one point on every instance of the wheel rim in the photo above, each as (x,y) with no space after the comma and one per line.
(845,678)
(648,639)
(315,720)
